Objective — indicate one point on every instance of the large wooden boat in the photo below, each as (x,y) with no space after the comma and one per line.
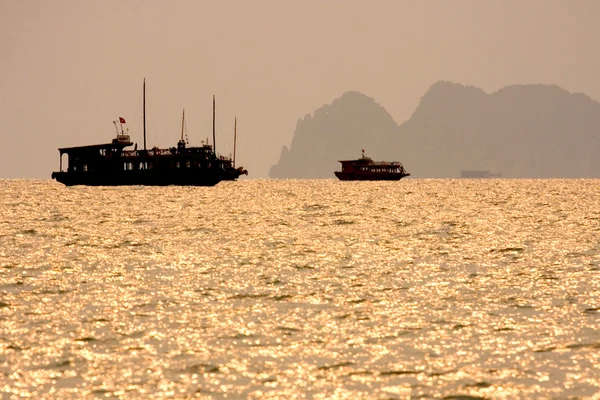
(365,169)
(110,164)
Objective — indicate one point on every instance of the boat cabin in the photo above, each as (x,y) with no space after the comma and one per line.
(365,168)
(93,157)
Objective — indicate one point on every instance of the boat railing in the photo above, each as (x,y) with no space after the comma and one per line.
(386,163)
(123,138)
(152,152)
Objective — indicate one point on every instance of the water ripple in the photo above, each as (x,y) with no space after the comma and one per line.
(455,289)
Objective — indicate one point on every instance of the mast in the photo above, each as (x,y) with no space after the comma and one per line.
(182,124)
(214,141)
(144,113)
(234,138)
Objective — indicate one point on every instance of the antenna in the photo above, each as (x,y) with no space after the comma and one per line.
(234,139)
(214,140)
(182,123)
(144,113)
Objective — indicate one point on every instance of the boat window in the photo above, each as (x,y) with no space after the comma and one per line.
(85,167)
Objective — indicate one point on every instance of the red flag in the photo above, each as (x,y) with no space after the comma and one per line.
(122,120)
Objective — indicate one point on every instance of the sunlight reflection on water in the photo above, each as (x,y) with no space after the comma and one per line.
(291,288)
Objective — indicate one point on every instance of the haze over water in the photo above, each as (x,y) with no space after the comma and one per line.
(71,67)
(292,288)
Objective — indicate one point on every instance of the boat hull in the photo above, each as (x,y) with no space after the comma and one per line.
(145,178)
(368,176)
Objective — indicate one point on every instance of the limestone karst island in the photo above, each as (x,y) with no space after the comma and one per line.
(519,131)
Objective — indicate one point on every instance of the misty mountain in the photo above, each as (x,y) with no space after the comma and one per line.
(520,131)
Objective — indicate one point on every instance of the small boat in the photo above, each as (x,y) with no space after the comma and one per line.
(110,164)
(365,169)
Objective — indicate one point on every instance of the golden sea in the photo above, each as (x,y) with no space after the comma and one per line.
(317,289)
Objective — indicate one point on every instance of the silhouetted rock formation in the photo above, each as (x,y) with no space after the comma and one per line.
(340,130)
(522,131)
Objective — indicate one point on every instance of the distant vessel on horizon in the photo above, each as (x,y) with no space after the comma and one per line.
(110,164)
(365,169)
(479,174)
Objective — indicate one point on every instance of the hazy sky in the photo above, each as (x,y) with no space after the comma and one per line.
(69,68)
